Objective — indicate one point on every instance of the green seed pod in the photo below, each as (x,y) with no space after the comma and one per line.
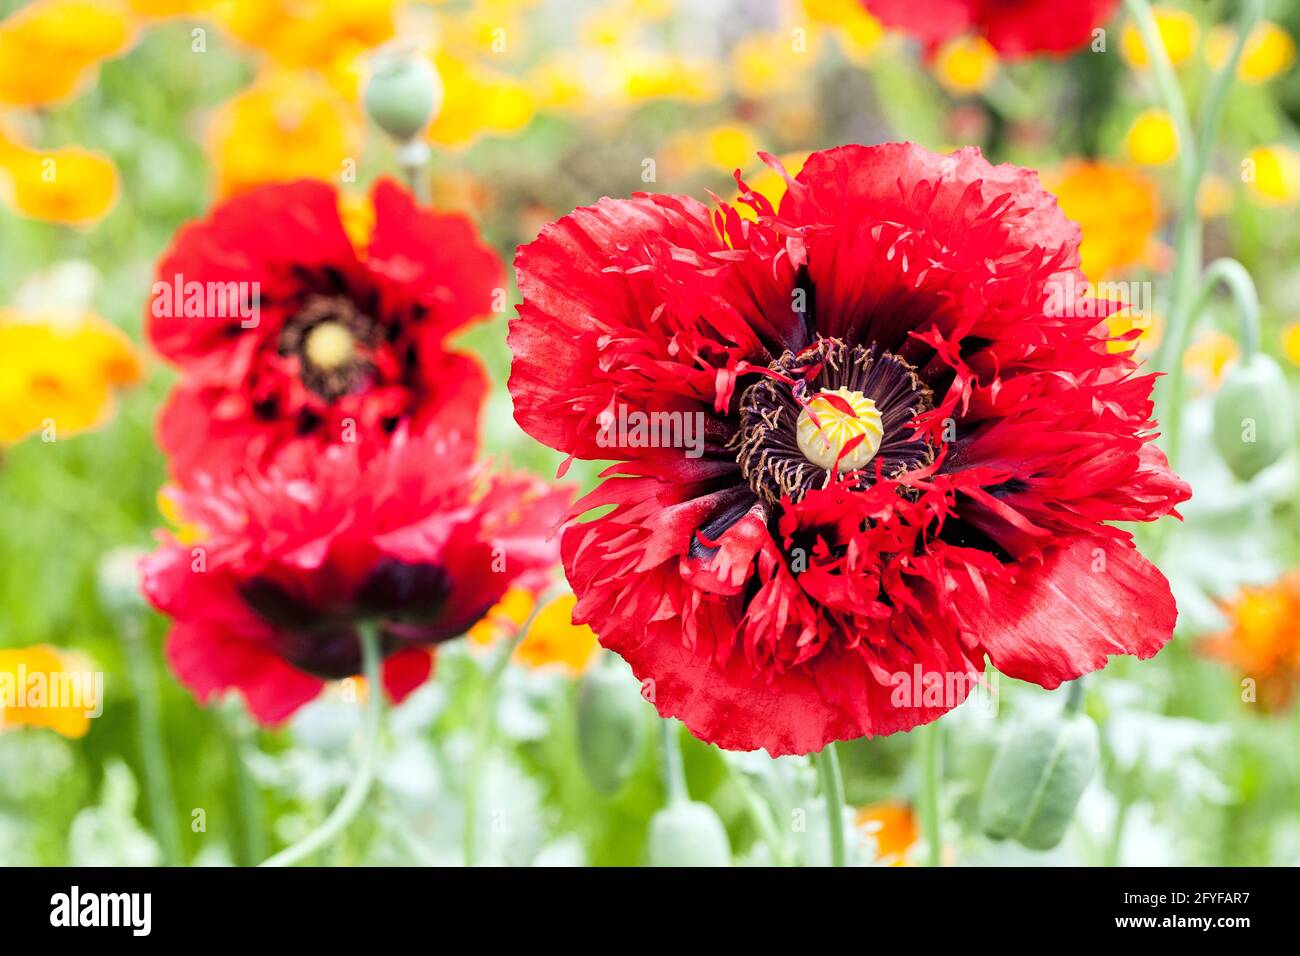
(611,726)
(403,95)
(1254,424)
(686,833)
(1038,775)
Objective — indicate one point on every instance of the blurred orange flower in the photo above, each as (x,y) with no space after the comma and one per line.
(68,185)
(49,49)
(893,826)
(45,686)
(478,101)
(1118,209)
(1262,639)
(552,638)
(286,126)
(60,371)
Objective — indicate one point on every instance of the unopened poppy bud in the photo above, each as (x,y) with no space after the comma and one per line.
(611,726)
(404,93)
(1254,424)
(117,582)
(1038,775)
(687,833)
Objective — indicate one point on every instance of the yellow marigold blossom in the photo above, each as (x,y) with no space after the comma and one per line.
(310,33)
(45,686)
(1269,51)
(1291,341)
(1272,174)
(773,62)
(1262,639)
(59,371)
(1152,140)
(1209,356)
(285,126)
(1179,33)
(1214,198)
(49,49)
(68,185)
(478,101)
(552,638)
(558,82)
(767,182)
(893,826)
(1117,207)
(966,64)
(1150,326)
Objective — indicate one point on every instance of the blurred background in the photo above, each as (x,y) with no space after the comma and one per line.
(154,109)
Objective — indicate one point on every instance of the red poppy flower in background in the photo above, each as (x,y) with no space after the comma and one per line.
(911,437)
(291,558)
(1015,28)
(289,335)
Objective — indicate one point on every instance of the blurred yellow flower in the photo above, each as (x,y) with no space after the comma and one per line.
(44,686)
(478,101)
(49,49)
(286,125)
(1149,324)
(1269,51)
(59,372)
(1209,356)
(170,8)
(767,182)
(724,148)
(966,64)
(858,32)
(646,74)
(1272,174)
(69,185)
(1291,341)
(769,63)
(1152,140)
(310,33)
(1118,209)
(893,826)
(1262,639)
(552,638)
(1178,32)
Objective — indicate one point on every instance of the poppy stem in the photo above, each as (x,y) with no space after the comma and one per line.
(674,768)
(828,769)
(930,746)
(157,774)
(483,728)
(355,795)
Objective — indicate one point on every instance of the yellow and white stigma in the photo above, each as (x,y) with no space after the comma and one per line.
(823,445)
(330,345)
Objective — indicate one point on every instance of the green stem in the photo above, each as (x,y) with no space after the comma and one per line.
(1195,149)
(354,797)
(1074,701)
(153,753)
(761,814)
(828,769)
(1234,276)
(930,746)
(483,729)
(252,821)
(674,768)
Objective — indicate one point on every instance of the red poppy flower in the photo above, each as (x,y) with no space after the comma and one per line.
(292,557)
(288,335)
(905,439)
(1015,28)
